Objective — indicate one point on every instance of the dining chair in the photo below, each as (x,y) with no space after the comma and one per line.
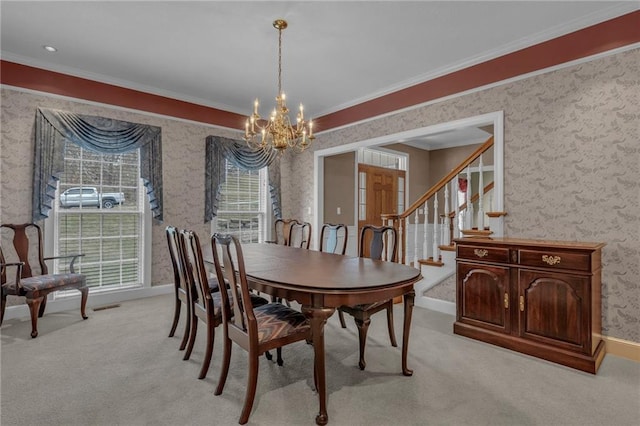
(378,243)
(333,238)
(181,286)
(25,252)
(300,235)
(205,304)
(183,293)
(255,329)
(292,233)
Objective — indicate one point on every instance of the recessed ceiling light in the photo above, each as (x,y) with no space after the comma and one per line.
(49,48)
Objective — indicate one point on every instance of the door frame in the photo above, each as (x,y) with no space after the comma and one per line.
(494,118)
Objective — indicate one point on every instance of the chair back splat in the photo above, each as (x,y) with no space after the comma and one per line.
(23,246)
(333,238)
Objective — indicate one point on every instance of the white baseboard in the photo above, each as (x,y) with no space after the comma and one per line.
(95,300)
(435,305)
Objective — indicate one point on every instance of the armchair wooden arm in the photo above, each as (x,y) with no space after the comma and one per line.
(73,258)
(3,267)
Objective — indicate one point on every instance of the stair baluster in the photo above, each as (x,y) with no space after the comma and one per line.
(456,205)
(468,214)
(436,249)
(415,241)
(425,244)
(445,227)
(480,197)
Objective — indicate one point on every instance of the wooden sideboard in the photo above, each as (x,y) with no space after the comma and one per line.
(541,298)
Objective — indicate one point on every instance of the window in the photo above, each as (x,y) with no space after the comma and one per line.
(99,211)
(380,158)
(242,210)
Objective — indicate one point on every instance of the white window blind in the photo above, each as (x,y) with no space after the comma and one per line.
(243,201)
(108,233)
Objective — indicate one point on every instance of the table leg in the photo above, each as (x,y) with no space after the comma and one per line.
(318,318)
(408,311)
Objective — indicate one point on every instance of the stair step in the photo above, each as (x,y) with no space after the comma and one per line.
(430,262)
(451,247)
(477,233)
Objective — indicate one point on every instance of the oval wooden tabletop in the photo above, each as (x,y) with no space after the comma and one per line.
(297,267)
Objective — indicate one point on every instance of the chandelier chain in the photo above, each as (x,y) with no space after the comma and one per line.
(279,61)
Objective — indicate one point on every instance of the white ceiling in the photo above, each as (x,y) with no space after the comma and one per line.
(335,54)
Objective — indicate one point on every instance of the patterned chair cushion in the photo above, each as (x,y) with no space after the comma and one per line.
(276,320)
(217,301)
(47,283)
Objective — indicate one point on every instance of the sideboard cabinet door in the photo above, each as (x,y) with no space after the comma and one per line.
(554,309)
(483,296)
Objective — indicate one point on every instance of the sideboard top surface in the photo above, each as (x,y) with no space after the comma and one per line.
(503,241)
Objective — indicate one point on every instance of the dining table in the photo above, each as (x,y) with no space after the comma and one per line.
(322,282)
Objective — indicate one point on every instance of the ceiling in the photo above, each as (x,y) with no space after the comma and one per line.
(335,54)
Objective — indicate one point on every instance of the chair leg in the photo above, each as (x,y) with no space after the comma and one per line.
(43,305)
(192,336)
(211,334)
(176,316)
(187,329)
(252,382)
(34,308)
(84,291)
(363,327)
(341,316)
(4,305)
(392,334)
(224,370)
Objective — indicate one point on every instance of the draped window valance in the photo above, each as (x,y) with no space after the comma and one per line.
(98,134)
(219,149)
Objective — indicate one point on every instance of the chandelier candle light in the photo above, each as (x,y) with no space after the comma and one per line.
(277,133)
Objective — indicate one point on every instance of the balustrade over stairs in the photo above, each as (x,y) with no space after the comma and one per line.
(453,218)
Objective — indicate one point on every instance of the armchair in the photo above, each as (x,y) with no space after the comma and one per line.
(32,279)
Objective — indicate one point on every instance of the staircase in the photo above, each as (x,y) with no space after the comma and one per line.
(455,207)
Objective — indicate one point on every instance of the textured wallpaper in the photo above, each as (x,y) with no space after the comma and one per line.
(572,156)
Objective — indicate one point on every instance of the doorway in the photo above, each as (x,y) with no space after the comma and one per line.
(494,119)
(378,193)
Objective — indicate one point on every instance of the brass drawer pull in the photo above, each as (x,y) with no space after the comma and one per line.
(506,300)
(551,260)
(522,303)
(480,252)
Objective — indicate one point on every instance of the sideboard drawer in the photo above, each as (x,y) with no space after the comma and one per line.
(485,254)
(552,259)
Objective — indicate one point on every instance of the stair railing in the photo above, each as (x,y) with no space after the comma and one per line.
(449,219)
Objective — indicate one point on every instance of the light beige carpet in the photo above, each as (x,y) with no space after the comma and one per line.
(120,368)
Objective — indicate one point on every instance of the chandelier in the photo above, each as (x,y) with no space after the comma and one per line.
(277,133)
